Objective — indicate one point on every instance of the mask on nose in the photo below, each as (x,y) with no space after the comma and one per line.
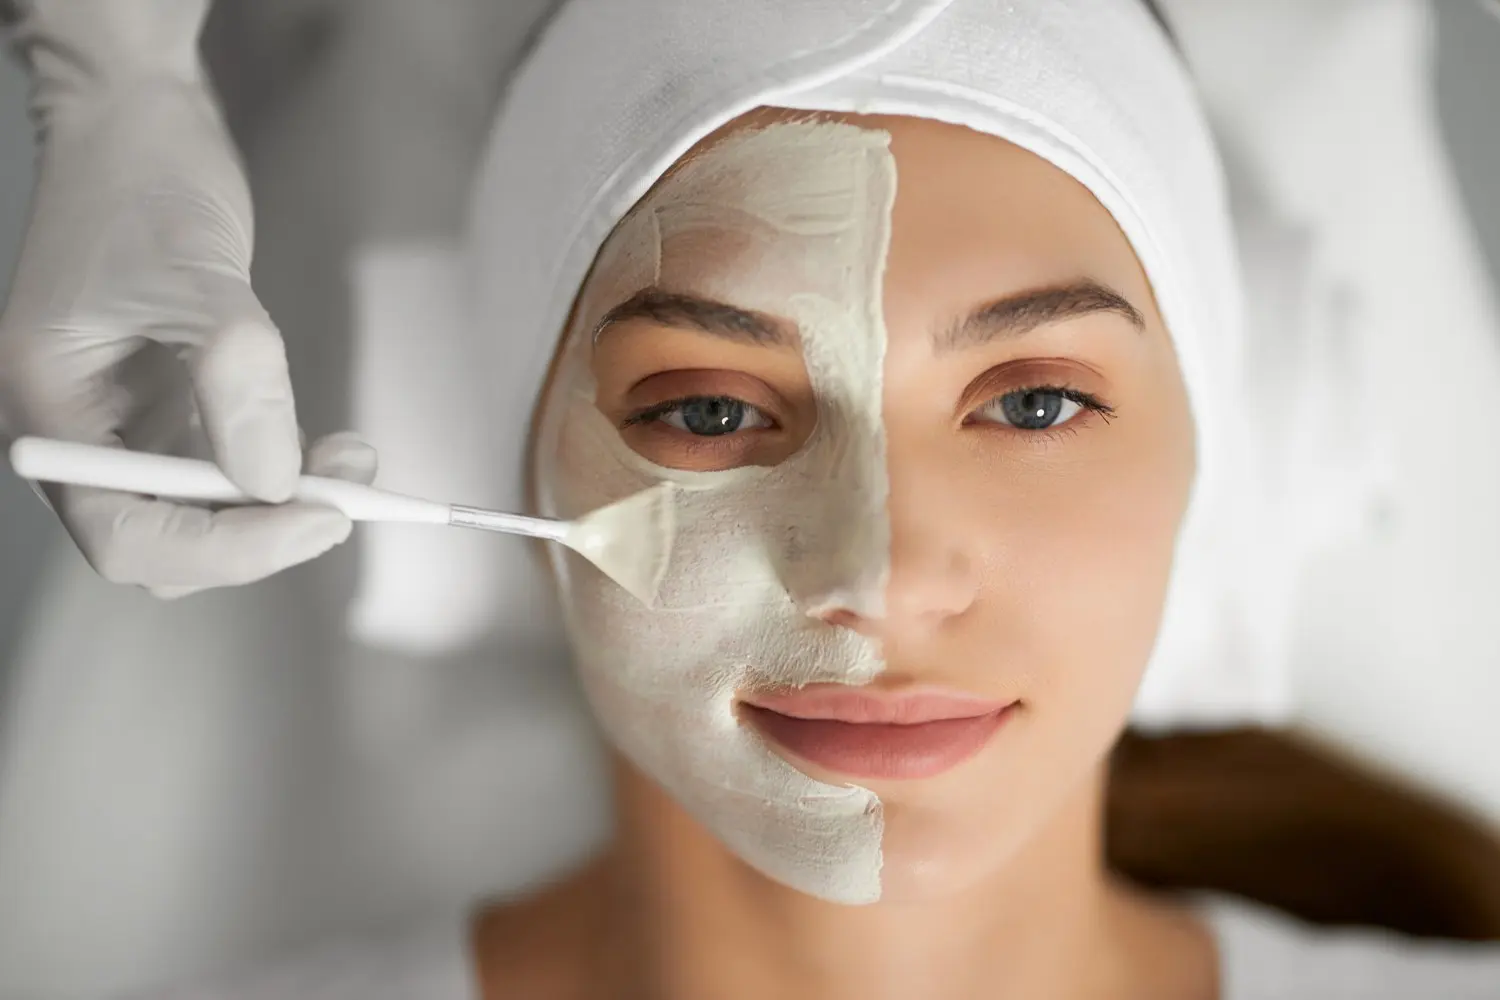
(792,220)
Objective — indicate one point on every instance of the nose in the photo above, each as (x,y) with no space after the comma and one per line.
(930,582)
(931,575)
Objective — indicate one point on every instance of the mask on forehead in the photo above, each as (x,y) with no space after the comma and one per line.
(792,220)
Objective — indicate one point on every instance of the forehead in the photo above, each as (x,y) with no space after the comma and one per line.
(973,216)
(977,217)
(760,217)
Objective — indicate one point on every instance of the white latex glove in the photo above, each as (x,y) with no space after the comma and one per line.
(131,318)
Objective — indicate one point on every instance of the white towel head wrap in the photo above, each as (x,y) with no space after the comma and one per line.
(616,90)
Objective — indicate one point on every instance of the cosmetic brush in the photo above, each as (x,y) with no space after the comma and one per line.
(628,540)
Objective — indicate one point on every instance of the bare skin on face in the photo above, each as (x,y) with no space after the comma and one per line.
(1040,454)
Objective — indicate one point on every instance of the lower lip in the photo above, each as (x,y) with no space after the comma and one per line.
(879,750)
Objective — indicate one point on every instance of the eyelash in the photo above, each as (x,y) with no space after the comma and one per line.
(656,412)
(1087,400)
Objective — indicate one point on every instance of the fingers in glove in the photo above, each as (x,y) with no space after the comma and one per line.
(244,394)
(344,455)
(157,412)
(175,548)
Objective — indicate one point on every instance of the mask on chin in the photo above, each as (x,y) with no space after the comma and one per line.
(791,220)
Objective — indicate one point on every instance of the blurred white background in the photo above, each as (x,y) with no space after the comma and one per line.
(185,787)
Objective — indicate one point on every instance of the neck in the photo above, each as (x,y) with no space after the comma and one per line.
(689,919)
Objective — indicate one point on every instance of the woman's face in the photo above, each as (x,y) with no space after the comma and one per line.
(929,440)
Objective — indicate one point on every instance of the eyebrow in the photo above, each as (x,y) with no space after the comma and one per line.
(1023,312)
(704,315)
(1011,316)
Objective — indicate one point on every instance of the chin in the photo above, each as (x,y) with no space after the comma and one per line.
(927,857)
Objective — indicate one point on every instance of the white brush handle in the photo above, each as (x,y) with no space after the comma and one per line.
(51,461)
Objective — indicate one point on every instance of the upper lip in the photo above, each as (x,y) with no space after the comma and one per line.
(842,703)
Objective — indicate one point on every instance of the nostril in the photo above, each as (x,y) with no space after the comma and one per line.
(838,618)
(835,609)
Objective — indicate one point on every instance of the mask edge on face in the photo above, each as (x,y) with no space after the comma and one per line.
(819,838)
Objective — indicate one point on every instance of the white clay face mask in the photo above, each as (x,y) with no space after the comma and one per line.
(792,220)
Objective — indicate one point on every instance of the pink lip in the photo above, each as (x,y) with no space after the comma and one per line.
(865,733)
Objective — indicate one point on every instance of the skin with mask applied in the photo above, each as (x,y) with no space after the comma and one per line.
(930,449)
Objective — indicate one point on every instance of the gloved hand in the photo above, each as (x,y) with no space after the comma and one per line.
(131,318)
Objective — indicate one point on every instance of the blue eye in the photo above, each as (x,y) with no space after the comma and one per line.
(1038,409)
(705,416)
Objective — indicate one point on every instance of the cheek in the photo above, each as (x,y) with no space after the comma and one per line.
(1080,557)
(1103,559)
